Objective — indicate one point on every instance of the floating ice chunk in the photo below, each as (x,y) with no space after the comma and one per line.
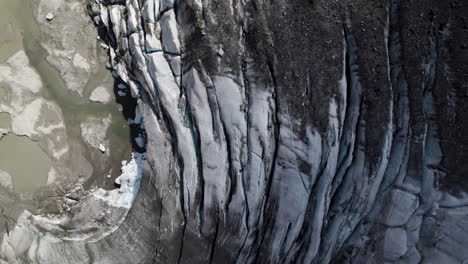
(115,74)
(101,95)
(138,117)
(49,16)
(104,46)
(140,141)
(102,148)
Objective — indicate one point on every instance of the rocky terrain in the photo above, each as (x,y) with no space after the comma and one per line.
(276,132)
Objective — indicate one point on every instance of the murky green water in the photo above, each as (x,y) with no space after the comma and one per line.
(25,161)
(18,30)
(10,32)
(5,121)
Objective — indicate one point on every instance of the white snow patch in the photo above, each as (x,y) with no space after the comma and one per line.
(129,182)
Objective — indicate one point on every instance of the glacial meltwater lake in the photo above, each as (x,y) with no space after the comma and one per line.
(25,161)
(22,157)
(5,120)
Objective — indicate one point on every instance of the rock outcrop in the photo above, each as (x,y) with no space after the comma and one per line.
(289,132)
